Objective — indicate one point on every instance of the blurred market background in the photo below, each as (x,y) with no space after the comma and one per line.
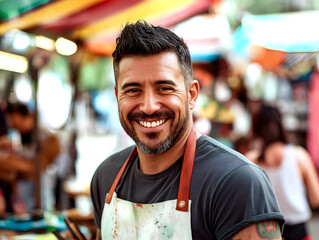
(55,57)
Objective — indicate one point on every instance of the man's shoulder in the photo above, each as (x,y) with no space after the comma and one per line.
(218,160)
(213,148)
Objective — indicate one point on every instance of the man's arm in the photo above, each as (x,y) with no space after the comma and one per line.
(5,143)
(8,176)
(309,175)
(263,230)
(17,164)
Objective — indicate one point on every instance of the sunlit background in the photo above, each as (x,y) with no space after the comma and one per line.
(55,56)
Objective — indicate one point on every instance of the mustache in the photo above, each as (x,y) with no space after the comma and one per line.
(155,115)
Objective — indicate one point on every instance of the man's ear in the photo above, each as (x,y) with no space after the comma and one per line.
(193,92)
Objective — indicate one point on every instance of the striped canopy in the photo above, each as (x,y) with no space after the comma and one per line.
(95,23)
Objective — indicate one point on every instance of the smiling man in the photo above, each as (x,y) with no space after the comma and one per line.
(175,183)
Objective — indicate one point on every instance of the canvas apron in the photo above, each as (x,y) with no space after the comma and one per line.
(171,219)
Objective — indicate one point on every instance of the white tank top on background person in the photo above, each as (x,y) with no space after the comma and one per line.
(289,188)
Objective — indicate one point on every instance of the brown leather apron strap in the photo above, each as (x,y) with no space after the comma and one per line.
(119,175)
(186,174)
(185,179)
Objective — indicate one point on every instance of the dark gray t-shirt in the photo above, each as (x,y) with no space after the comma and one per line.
(227,191)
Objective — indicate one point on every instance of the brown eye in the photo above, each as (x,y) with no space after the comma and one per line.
(132,91)
(165,89)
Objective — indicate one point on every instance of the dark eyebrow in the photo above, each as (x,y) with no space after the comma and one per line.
(132,84)
(170,82)
(135,84)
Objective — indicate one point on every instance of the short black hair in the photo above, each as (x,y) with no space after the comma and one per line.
(144,39)
(18,107)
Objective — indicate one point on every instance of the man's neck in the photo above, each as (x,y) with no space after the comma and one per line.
(155,163)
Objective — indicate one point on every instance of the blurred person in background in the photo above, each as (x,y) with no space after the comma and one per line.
(12,165)
(19,150)
(289,168)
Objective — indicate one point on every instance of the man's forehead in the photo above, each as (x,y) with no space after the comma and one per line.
(166,60)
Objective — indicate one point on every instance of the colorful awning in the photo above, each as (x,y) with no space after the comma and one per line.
(288,32)
(94,22)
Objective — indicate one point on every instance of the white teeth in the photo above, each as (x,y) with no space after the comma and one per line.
(151,124)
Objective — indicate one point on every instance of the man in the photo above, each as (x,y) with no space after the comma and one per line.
(13,116)
(174,184)
(18,164)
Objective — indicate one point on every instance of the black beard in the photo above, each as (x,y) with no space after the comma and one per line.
(168,143)
(163,146)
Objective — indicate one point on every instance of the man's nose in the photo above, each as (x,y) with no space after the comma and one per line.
(150,103)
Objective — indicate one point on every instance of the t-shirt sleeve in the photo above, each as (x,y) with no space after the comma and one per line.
(244,197)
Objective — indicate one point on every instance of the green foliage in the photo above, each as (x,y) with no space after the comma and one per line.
(96,73)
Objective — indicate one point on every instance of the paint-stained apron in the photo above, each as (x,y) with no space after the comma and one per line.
(171,219)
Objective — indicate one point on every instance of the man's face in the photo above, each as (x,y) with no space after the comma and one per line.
(153,101)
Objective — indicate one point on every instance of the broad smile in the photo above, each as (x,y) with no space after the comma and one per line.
(152,124)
